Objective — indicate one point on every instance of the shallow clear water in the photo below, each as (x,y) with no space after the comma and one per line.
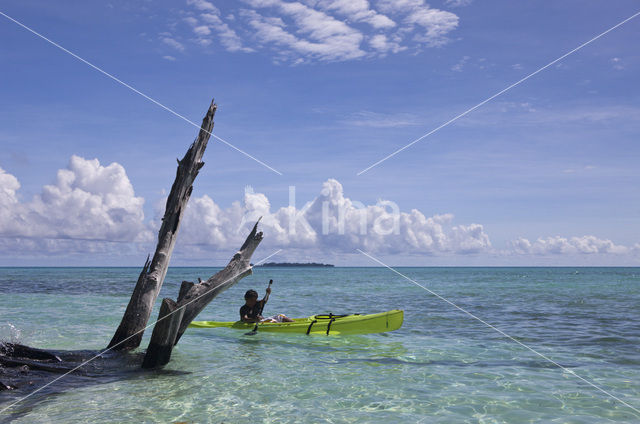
(441,366)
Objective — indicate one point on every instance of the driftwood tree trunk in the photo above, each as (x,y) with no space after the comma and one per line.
(129,333)
(164,334)
(175,317)
(27,363)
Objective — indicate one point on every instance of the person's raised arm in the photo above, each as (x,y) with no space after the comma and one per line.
(266,296)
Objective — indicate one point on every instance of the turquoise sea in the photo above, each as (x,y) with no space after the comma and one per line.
(441,366)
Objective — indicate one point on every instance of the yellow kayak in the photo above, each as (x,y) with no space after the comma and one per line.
(330,325)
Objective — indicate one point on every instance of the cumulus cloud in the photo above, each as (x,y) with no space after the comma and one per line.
(331,222)
(9,186)
(90,206)
(562,245)
(320,30)
(87,201)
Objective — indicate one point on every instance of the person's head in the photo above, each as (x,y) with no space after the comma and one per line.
(251,297)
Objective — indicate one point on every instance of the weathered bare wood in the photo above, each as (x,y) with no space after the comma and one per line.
(20,364)
(199,296)
(5,386)
(184,289)
(35,365)
(193,298)
(16,350)
(164,335)
(131,328)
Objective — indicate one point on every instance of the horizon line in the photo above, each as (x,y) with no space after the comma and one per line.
(334,266)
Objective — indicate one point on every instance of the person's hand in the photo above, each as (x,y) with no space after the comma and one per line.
(268,290)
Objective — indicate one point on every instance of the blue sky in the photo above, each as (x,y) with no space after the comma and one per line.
(320,90)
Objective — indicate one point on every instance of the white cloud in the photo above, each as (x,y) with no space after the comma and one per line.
(320,36)
(323,30)
(202,30)
(436,23)
(211,21)
(381,43)
(203,5)
(477,64)
(9,186)
(331,222)
(87,201)
(586,168)
(172,42)
(371,119)
(558,245)
(204,42)
(169,58)
(428,26)
(616,63)
(90,206)
(458,67)
(228,37)
(458,3)
(191,21)
(357,10)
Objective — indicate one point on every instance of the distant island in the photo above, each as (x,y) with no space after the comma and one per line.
(294,264)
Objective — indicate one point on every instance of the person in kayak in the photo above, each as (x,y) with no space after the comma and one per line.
(252,309)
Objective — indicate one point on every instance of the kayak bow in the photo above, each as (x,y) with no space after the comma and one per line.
(331,325)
